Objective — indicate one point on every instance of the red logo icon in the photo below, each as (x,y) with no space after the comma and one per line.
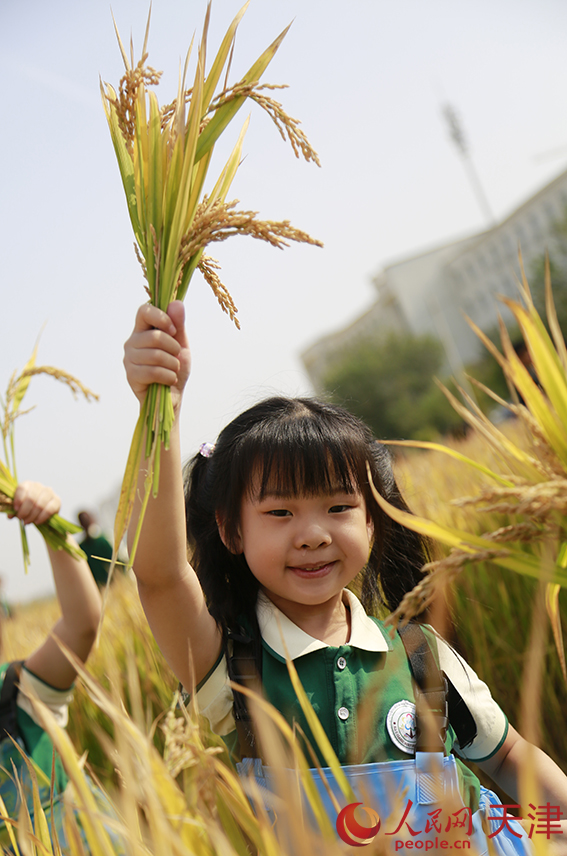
(351,831)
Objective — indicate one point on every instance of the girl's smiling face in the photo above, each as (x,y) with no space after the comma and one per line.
(305,549)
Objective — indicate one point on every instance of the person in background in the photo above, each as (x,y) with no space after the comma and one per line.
(95,546)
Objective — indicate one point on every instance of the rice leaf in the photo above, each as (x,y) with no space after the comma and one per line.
(538,405)
(156,172)
(546,362)
(453,453)
(221,57)
(41,827)
(226,112)
(177,229)
(9,823)
(501,444)
(551,313)
(125,164)
(8,483)
(25,547)
(130,480)
(226,177)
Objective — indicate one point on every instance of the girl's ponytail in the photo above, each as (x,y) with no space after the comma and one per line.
(229,586)
(398,554)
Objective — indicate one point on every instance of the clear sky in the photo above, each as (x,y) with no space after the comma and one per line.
(367,78)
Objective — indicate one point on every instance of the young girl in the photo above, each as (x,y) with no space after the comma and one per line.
(280,520)
(47,674)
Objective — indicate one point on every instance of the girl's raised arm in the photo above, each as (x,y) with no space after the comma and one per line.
(77,593)
(171,595)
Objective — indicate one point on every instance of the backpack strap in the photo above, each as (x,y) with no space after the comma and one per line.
(244,668)
(437,695)
(8,701)
(431,709)
(460,717)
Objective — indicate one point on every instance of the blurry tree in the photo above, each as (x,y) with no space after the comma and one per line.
(389,384)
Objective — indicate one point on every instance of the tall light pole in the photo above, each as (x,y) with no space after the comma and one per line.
(457,135)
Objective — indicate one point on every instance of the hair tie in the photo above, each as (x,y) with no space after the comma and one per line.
(207,449)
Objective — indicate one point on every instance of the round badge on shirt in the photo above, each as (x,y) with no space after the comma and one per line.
(401,726)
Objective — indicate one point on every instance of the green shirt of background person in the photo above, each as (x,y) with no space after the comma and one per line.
(96,547)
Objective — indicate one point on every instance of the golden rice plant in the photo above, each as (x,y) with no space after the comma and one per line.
(169,779)
(168,776)
(164,155)
(56,529)
(115,707)
(528,481)
(188,802)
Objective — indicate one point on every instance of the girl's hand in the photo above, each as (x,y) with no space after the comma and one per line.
(35,503)
(158,351)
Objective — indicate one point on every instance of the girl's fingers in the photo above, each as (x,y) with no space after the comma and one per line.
(35,503)
(140,377)
(153,357)
(155,339)
(148,317)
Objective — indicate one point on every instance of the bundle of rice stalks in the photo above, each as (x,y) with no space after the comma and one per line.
(56,530)
(164,155)
(529,486)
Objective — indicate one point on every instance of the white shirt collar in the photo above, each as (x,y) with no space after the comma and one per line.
(283,636)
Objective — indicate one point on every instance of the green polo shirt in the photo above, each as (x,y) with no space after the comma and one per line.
(96,547)
(354,690)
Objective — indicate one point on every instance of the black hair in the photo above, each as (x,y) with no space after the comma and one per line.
(296,446)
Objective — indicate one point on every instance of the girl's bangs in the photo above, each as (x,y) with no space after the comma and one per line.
(304,459)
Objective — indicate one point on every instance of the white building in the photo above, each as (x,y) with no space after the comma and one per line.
(431,291)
